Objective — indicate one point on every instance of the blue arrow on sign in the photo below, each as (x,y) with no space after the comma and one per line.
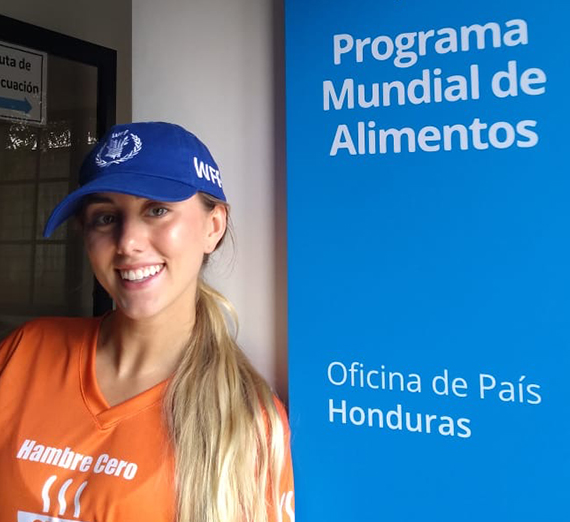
(16,105)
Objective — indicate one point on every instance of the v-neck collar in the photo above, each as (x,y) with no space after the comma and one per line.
(106,416)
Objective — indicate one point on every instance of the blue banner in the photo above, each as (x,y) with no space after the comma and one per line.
(429,259)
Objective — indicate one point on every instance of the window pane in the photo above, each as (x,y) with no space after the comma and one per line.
(17,212)
(15,277)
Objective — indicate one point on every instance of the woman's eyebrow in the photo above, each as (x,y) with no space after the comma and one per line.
(96,198)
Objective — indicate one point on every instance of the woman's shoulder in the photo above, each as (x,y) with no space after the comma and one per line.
(56,328)
(52,333)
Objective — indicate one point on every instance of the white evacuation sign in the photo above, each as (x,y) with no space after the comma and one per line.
(23,87)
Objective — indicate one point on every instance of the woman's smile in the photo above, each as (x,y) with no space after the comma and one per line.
(140,274)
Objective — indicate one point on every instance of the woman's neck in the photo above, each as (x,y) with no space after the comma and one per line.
(140,346)
(135,355)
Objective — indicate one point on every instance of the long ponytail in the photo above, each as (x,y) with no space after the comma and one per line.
(225,429)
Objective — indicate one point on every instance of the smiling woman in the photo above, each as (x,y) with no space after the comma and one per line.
(158,386)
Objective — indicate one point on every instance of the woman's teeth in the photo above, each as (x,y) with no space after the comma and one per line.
(140,273)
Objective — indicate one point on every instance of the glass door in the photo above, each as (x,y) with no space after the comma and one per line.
(39,165)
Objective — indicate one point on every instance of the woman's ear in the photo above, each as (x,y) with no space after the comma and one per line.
(216,227)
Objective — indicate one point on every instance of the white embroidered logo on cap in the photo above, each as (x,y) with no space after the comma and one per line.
(120,147)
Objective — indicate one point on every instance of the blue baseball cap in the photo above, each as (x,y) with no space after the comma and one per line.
(154,160)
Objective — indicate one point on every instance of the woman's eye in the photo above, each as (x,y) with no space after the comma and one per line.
(102,220)
(158,211)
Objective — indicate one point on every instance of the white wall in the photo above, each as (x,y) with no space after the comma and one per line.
(103,22)
(216,67)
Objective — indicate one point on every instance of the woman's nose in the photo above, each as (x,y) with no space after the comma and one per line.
(132,236)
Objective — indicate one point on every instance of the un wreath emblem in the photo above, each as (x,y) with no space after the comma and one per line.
(120,147)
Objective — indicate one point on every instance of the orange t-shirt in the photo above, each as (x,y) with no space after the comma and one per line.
(65,455)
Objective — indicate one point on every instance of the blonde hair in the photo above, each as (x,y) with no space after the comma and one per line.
(225,428)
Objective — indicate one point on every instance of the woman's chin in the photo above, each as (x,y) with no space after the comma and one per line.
(137,311)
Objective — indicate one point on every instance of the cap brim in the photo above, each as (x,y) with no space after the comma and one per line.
(155,188)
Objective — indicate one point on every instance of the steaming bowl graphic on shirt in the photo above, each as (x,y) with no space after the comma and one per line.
(61,495)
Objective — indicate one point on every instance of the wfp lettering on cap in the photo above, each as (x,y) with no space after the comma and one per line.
(154,160)
(207,171)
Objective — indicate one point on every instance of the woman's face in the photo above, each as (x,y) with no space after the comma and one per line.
(148,254)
